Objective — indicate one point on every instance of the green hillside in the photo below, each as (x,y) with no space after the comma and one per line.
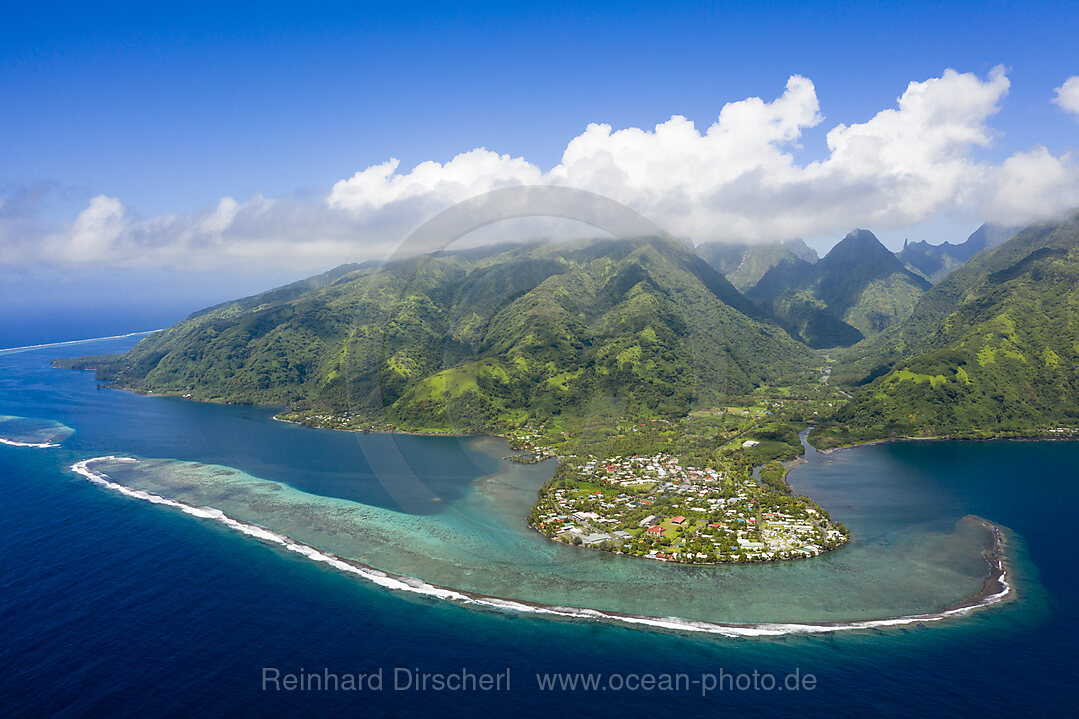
(480,339)
(874,356)
(858,290)
(992,350)
(744,265)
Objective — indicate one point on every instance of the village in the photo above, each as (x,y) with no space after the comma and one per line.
(656,508)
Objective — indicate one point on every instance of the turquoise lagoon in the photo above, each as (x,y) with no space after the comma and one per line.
(912,554)
(112,604)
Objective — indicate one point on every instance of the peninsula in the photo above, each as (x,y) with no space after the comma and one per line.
(672,401)
(654,507)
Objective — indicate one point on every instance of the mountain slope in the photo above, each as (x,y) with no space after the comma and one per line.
(935,262)
(858,289)
(479,339)
(874,356)
(1003,356)
(744,265)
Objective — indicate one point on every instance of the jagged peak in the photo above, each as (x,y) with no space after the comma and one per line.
(859,245)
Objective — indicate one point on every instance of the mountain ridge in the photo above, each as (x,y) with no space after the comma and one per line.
(856,290)
(478,340)
(993,348)
(935,262)
(744,264)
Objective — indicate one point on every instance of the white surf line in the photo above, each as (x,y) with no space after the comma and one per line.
(418,586)
(76,342)
(15,443)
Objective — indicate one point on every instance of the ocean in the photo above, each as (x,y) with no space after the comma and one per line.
(112,605)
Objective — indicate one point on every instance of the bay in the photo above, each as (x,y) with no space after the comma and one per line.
(110,603)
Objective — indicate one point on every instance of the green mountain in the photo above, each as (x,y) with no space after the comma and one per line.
(744,265)
(875,355)
(992,349)
(935,262)
(859,289)
(478,339)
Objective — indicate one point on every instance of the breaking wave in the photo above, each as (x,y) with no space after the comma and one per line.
(40,445)
(995,588)
(74,342)
(30,432)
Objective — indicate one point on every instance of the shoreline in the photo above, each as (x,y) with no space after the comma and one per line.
(996,584)
(411,433)
(995,588)
(788,464)
(946,438)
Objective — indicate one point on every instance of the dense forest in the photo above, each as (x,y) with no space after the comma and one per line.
(481,339)
(514,335)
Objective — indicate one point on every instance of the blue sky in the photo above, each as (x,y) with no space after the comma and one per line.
(164,111)
(171,108)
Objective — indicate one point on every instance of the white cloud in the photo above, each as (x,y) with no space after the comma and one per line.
(94,234)
(466,175)
(1030,179)
(1067,95)
(739,179)
(256,234)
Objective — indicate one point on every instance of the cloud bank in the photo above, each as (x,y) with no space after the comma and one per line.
(737,180)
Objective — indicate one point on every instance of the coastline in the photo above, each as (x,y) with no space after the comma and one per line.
(949,438)
(875,442)
(787,464)
(995,588)
(776,555)
(996,584)
(412,433)
(1044,435)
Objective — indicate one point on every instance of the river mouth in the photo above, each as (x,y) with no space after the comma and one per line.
(477,552)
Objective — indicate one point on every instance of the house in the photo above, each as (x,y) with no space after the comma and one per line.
(595,538)
(678,520)
(656,531)
(750,443)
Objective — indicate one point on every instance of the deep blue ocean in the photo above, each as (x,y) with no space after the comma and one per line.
(110,606)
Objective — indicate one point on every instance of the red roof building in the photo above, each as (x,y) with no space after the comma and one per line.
(655,530)
(678,520)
